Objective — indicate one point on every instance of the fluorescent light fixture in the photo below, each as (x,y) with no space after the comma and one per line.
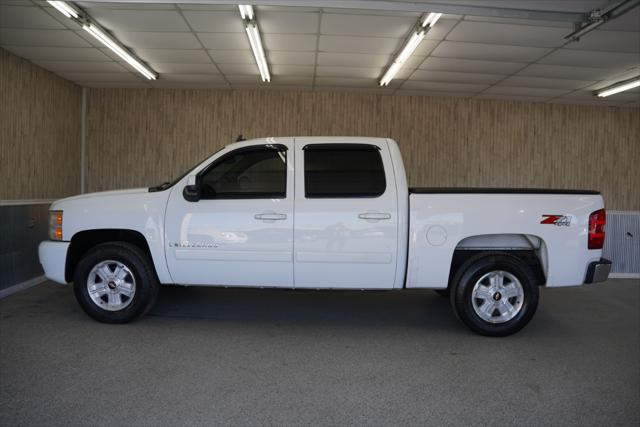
(408,49)
(402,57)
(64,8)
(390,74)
(251,27)
(421,30)
(258,51)
(83,19)
(618,87)
(109,42)
(246,11)
(431,19)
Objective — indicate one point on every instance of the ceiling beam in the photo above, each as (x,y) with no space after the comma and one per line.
(391,5)
(598,17)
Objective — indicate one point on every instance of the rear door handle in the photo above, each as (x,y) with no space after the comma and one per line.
(374,216)
(270,216)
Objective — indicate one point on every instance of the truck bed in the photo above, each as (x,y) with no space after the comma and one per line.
(443,220)
(479,190)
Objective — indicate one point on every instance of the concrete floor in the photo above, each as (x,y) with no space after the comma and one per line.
(237,357)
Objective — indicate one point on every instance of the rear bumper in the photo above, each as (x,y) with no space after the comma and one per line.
(53,258)
(598,271)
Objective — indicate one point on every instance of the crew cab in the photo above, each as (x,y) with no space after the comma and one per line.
(325,213)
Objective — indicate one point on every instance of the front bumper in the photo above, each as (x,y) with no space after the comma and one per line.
(53,258)
(598,271)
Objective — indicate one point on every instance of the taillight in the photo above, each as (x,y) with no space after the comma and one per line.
(597,221)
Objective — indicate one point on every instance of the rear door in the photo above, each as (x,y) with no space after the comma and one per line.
(346,215)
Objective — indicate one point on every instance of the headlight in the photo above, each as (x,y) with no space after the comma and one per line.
(55,225)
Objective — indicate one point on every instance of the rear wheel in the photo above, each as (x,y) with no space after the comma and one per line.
(115,283)
(494,294)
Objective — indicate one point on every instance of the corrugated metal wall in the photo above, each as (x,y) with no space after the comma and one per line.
(622,241)
(138,137)
(39,133)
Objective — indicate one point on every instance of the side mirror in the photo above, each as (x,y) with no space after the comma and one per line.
(191,192)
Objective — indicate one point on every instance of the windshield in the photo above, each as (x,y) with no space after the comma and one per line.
(169,184)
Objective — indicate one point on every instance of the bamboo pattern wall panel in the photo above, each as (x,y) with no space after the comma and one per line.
(39,132)
(138,137)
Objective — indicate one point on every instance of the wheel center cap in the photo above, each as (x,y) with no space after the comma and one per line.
(497,296)
(112,285)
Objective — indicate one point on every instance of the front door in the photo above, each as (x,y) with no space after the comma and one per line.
(346,230)
(240,232)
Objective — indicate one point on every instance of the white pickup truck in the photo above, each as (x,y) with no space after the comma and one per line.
(325,213)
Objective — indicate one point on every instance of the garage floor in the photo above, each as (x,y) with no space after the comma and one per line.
(229,356)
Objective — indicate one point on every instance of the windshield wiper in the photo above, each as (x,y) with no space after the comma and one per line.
(160,187)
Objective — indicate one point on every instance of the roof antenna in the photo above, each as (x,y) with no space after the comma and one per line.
(240,138)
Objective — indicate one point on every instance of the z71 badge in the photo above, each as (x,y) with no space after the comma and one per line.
(559,220)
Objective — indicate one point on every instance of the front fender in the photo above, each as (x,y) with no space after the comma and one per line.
(136,210)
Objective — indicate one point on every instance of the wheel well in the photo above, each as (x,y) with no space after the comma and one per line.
(84,240)
(529,249)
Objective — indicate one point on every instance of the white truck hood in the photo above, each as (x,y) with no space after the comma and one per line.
(135,209)
(97,196)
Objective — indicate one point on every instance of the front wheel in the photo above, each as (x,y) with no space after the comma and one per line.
(494,294)
(115,283)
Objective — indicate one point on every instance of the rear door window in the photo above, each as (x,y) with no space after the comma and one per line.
(343,170)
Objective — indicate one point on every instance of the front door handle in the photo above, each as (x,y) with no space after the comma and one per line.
(374,216)
(270,216)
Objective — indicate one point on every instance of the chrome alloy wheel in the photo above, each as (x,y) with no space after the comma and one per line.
(497,297)
(111,285)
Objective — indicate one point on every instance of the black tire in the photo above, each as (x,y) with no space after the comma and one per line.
(444,293)
(146,282)
(471,271)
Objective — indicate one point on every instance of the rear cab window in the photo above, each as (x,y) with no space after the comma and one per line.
(343,171)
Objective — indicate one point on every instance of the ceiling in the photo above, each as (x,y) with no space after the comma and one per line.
(310,48)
